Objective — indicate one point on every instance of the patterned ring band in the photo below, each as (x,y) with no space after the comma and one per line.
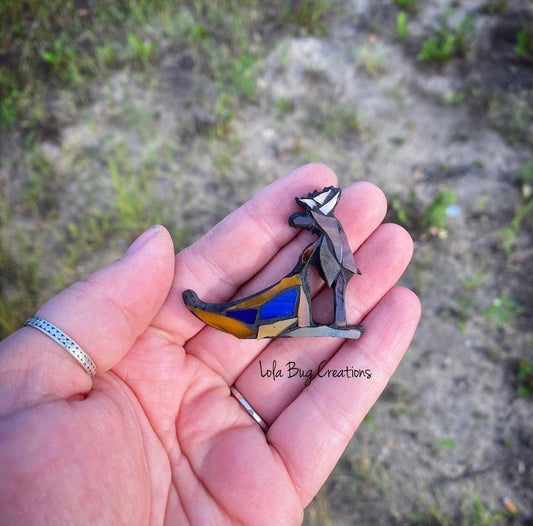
(249,409)
(62,339)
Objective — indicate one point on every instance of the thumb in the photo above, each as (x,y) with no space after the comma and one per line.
(103,314)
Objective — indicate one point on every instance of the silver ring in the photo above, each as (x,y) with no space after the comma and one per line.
(62,339)
(249,409)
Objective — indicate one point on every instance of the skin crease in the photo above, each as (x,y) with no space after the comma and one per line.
(155,436)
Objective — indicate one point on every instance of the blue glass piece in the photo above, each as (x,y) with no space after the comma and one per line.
(281,306)
(245,315)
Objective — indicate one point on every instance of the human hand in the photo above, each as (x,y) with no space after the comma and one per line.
(155,437)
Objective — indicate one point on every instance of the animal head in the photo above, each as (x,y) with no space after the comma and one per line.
(322,201)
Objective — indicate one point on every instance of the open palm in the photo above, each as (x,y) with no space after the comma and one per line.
(156,436)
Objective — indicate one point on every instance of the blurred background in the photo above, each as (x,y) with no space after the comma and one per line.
(115,115)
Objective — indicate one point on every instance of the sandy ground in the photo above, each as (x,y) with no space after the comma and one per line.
(450,442)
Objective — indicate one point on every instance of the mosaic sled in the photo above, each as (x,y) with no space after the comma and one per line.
(284,309)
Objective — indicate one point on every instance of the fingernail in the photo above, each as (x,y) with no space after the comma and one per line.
(142,240)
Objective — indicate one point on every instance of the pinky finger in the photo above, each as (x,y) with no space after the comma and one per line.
(313,431)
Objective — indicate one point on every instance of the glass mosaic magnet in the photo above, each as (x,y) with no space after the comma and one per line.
(284,310)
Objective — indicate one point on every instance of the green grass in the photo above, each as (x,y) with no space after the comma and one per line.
(523,210)
(524,43)
(143,49)
(41,185)
(509,233)
(50,246)
(309,15)
(106,55)
(435,217)
(54,45)
(24,272)
(494,7)
(419,220)
(511,116)
(411,6)
(524,378)
(445,444)
(525,173)
(476,512)
(447,42)
(243,76)
(341,120)
(402,26)
(464,301)
(284,105)
(318,513)
(58,47)
(454,98)
(61,61)
(20,283)
(334,121)
(131,194)
(403,210)
(473,511)
(371,59)
(502,311)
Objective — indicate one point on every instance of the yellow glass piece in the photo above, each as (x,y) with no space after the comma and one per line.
(235,327)
(273,329)
(261,298)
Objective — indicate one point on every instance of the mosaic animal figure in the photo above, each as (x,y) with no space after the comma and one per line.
(330,253)
(284,309)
